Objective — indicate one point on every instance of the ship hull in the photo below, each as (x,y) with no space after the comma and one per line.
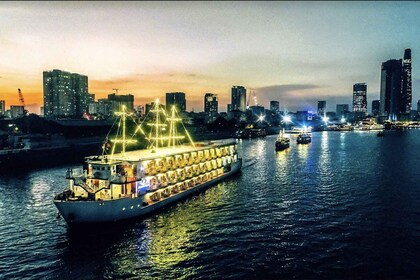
(78,213)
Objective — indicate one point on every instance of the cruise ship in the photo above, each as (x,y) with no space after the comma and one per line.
(129,184)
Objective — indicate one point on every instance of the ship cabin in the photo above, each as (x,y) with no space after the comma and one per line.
(152,175)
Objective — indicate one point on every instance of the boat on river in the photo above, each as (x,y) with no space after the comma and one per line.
(282,142)
(130,184)
(304,138)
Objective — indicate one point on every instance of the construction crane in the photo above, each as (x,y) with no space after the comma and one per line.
(116,90)
(22,102)
(254,97)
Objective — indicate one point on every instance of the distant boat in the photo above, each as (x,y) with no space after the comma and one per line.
(304,138)
(282,142)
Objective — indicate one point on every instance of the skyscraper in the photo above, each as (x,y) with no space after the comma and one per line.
(238,98)
(211,103)
(359,100)
(65,94)
(390,92)
(177,99)
(376,108)
(322,105)
(274,106)
(406,93)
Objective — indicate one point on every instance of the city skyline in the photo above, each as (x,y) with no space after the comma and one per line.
(280,50)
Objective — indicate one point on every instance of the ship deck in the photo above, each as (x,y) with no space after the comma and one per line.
(147,154)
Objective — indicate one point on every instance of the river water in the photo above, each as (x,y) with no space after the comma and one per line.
(345,206)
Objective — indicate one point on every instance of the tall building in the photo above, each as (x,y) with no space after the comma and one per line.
(274,106)
(65,94)
(2,107)
(211,103)
(117,101)
(16,111)
(322,106)
(396,88)
(376,104)
(390,92)
(406,92)
(342,110)
(177,99)
(418,106)
(359,100)
(238,98)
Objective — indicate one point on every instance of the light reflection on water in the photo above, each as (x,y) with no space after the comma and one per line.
(332,208)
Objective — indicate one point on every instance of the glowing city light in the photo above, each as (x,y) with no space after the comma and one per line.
(287,119)
(325,119)
(261,118)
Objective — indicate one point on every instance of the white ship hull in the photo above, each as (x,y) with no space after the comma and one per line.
(89,212)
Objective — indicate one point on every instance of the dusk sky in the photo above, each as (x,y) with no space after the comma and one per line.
(293,52)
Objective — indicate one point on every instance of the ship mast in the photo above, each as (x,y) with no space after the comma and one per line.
(155,135)
(123,141)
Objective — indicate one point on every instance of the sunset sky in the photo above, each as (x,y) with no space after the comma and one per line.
(296,53)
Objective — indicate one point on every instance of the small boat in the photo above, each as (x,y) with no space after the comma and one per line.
(282,142)
(304,138)
(381,133)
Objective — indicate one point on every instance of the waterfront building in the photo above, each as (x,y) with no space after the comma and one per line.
(257,110)
(238,98)
(177,99)
(274,106)
(375,107)
(16,111)
(2,107)
(359,100)
(322,106)
(118,101)
(406,92)
(342,110)
(65,94)
(396,88)
(41,109)
(418,106)
(211,103)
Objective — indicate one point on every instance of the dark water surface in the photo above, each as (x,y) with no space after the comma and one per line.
(345,206)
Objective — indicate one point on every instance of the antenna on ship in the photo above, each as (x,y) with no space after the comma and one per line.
(123,141)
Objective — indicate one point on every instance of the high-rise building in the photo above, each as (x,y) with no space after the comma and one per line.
(406,92)
(211,103)
(322,106)
(359,100)
(229,107)
(2,107)
(65,94)
(118,101)
(238,98)
(418,106)
(342,110)
(177,99)
(16,111)
(274,106)
(376,107)
(390,92)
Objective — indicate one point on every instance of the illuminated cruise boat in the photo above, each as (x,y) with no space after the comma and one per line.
(119,186)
